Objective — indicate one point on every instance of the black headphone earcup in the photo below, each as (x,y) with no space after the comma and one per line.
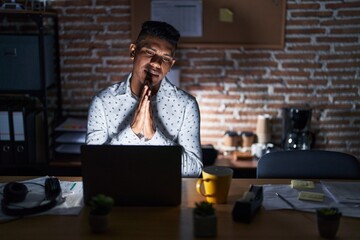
(15,192)
(52,192)
(52,188)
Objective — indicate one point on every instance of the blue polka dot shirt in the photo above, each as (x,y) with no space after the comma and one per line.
(175,113)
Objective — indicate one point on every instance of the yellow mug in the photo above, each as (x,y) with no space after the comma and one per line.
(215,183)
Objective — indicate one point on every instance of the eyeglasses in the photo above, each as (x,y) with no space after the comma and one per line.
(151,53)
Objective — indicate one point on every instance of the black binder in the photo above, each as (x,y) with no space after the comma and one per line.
(19,145)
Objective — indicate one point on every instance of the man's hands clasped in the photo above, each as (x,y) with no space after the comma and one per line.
(142,124)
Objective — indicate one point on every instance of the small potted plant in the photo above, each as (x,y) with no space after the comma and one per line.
(204,219)
(328,220)
(101,206)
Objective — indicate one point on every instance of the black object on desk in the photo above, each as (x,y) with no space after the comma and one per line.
(246,207)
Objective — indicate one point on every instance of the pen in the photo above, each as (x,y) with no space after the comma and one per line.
(72,187)
(286,201)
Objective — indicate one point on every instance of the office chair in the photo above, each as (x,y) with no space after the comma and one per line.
(308,164)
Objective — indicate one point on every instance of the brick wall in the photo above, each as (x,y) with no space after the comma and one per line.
(319,66)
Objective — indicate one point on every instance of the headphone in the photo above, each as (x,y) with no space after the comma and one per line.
(15,192)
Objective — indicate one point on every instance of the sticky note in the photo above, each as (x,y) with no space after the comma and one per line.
(225,15)
(311,196)
(302,184)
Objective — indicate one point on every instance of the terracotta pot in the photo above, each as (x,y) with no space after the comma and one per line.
(98,223)
(205,226)
(328,224)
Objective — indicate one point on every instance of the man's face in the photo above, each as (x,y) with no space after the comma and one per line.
(153,59)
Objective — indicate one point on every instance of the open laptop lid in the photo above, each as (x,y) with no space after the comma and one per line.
(133,175)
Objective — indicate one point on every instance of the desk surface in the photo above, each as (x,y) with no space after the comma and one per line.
(176,222)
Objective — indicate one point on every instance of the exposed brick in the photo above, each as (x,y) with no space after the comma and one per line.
(284,56)
(342,5)
(295,6)
(213,63)
(76,69)
(339,56)
(85,11)
(343,64)
(83,53)
(314,82)
(262,81)
(346,82)
(263,98)
(112,2)
(289,73)
(318,66)
(341,22)
(255,64)
(308,31)
(112,19)
(345,13)
(247,56)
(345,31)
(338,90)
(350,48)
(205,88)
(84,61)
(302,22)
(348,113)
(319,14)
(246,72)
(301,65)
(75,19)
(195,55)
(293,90)
(311,48)
(66,3)
(309,99)
(290,39)
(345,98)
(84,28)
(106,37)
(209,71)
(337,39)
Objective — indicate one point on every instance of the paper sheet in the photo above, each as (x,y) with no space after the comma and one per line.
(273,202)
(185,15)
(72,194)
(343,192)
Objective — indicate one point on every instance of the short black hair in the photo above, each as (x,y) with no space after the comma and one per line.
(159,29)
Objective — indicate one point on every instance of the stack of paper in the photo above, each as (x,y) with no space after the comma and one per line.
(343,192)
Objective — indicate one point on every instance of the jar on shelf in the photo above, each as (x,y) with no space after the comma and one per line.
(231,139)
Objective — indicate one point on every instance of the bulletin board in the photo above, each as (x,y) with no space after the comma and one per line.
(253,24)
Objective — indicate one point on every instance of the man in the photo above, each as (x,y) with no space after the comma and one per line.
(146,109)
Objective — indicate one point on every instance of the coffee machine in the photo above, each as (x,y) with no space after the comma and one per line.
(296,128)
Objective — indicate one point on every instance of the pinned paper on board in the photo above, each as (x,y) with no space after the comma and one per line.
(226,15)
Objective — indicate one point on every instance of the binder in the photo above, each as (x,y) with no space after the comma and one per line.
(18,132)
(6,148)
(23,125)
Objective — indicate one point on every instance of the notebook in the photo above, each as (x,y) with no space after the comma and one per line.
(132,175)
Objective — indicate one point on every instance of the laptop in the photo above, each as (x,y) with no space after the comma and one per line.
(132,175)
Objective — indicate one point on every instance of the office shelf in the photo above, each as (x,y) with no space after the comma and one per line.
(37,33)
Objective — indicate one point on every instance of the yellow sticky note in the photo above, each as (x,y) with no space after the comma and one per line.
(225,15)
(311,196)
(302,184)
